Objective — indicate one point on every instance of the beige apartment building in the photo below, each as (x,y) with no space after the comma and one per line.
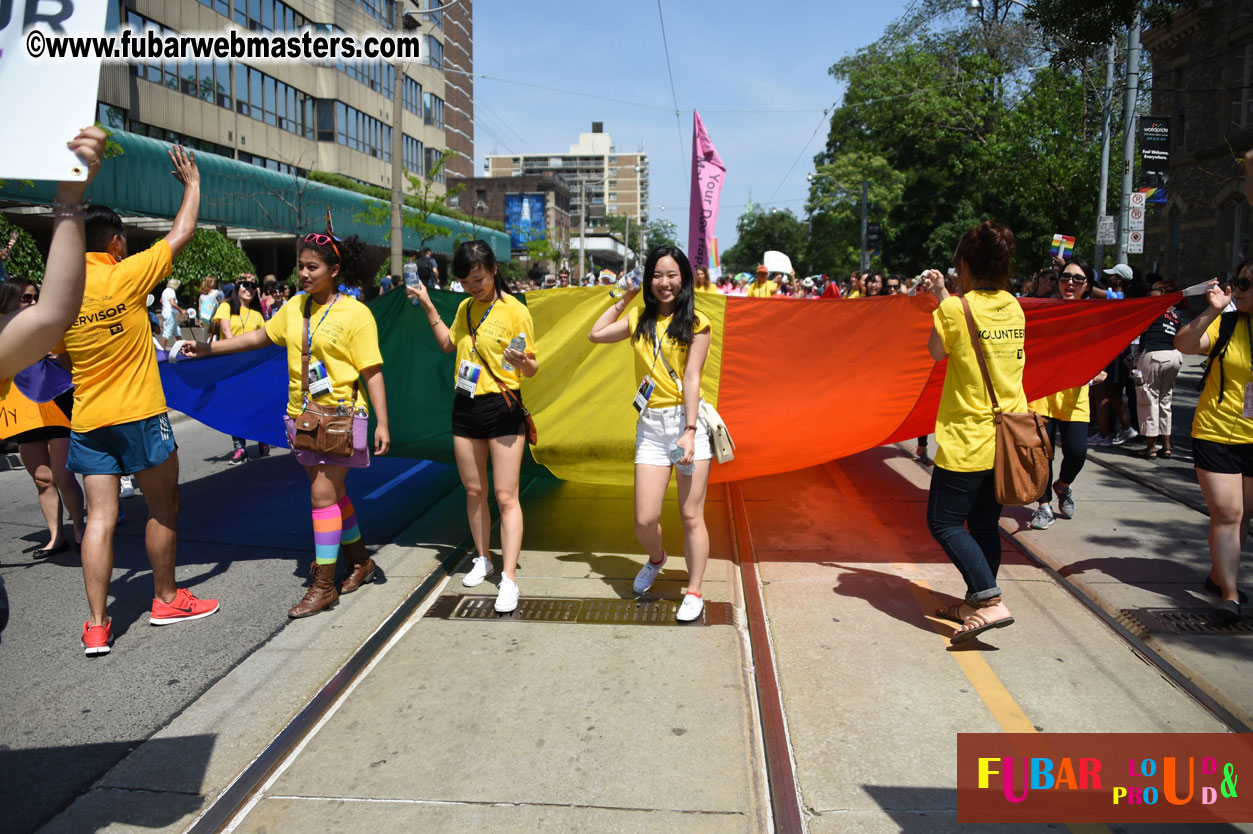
(612,182)
(293,117)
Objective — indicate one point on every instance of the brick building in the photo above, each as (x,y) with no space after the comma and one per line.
(1203,82)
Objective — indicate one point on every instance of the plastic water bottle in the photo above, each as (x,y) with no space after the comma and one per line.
(517,343)
(676,455)
(411,278)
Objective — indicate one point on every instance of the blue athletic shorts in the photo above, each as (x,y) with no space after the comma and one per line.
(123,449)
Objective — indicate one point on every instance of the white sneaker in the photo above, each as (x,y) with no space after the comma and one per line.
(1042,518)
(127,489)
(648,575)
(690,609)
(507,598)
(479,570)
(1124,435)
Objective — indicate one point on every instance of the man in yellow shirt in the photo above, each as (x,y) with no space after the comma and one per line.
(120,426)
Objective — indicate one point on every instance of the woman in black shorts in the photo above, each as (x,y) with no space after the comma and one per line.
(494,340)
(1222,431)
(45,449)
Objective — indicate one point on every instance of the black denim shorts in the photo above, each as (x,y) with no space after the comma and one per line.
(487,416)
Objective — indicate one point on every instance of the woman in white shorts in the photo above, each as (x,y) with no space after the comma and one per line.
(671,341)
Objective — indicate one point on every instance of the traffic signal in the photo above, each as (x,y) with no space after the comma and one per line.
(874,238)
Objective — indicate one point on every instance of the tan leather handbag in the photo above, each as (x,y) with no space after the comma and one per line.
(1023,450)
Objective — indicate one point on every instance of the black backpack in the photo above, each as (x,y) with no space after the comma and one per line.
(1226,327)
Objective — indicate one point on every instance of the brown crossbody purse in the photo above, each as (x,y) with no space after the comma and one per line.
(324,429)
(1023,450)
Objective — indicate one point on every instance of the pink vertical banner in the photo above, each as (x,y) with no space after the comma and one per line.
(707,175)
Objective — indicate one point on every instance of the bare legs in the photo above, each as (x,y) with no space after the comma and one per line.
(650,494)
(505,454)
(57,486)
(1230,501)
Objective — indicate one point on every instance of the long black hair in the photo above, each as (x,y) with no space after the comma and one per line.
(474,253)
(358,261)
(683,318)
(1088,272)
(11,289)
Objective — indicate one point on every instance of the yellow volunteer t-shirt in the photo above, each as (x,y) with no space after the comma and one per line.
(506,318)
(761,289)
(345,339)
(247,320)
(648,358)
(110,343)
(1070,405)
(1221,422)
(965,428)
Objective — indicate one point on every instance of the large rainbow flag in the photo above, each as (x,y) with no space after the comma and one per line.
(798,382)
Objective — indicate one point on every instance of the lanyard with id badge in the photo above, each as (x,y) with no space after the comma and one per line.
(316,376)
(468,372)
(647,386)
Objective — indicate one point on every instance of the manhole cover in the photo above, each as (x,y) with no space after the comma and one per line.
(1184,621)
(659,612)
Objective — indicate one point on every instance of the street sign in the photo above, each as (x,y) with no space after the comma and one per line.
(1135,242)
(1137,199)
(1135,219)
(1106,229)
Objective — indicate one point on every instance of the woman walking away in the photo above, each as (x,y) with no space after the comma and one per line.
(963,486)
(1068,414)
(210,299)
(671,341)
(494,340)
(241,313)
(1158,363)
(339,336)
(1222,431)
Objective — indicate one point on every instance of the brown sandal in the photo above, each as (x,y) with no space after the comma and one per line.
(954,613)
(978,622)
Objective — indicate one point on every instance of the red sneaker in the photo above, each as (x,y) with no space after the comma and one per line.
(184,607)
(96,639)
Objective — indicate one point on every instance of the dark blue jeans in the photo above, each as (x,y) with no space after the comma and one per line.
(961,500)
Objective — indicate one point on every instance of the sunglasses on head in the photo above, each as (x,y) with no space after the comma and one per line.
(28,298)
(322,240)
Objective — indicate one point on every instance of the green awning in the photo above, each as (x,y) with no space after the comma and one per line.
(237,194)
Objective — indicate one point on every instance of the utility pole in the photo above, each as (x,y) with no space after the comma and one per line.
(626,242)
(582,225)
(1130,122)
(1098,261)
(398,148)
(865,219)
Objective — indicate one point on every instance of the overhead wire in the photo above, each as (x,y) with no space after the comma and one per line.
(673,95)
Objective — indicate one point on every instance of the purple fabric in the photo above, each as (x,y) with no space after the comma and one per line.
(44,381)
(361,452)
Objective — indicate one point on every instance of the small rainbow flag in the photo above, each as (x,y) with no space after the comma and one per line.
(1063,246)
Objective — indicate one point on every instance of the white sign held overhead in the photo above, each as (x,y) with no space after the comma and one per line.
(1135,219)
(1135,242)
(51,98)
(1106,229)
(1137,199)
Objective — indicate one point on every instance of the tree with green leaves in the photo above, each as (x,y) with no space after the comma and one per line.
(428,203)
(209,253)
(759,231)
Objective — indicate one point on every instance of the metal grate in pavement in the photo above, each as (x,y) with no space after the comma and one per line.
(1183,621)
(655,612)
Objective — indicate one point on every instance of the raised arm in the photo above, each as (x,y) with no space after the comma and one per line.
(186,172)
(1192,338)
(28,334)
(608,328)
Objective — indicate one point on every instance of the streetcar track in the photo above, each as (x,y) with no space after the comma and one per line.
(1146,652)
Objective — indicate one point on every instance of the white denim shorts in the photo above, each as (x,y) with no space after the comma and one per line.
(657,428)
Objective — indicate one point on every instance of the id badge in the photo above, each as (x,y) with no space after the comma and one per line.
(1248,400)
(642,395)
(468,377)
(319,382)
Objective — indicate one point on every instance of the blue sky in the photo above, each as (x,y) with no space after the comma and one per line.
(768,59)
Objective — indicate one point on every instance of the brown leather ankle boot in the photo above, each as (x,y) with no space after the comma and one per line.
(362,568)
(321,594)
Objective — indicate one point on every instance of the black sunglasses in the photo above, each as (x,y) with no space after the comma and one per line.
(1069,278)
(27,298)
(1241,283)
(247,285)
